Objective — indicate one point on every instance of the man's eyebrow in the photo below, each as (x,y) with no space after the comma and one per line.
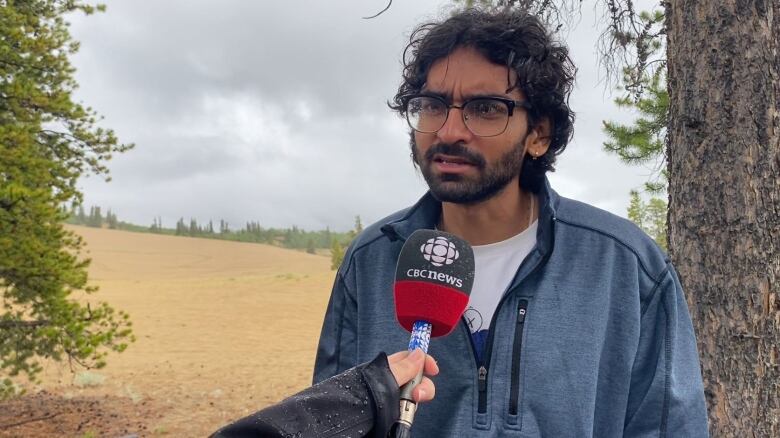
(443,96)
(448,98)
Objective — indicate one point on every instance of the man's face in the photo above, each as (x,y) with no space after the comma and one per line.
(459,166)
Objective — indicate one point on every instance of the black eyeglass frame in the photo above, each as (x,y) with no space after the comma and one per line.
(510,105)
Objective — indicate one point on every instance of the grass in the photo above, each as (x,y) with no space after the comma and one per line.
(85,379)
(134,395)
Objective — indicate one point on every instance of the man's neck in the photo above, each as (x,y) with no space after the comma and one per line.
(504,215)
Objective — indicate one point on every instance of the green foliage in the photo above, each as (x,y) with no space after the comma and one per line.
(47,141)
(337,248)
(95,217)
(357,229)
(336,255)
(650,216)
(636,41)
(181,228)
(292,238)
(644,91)
(644,140)
(85,378)
(156,226)
(111,220)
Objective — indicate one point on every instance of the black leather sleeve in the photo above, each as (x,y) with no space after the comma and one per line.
(385,394)
(362,401)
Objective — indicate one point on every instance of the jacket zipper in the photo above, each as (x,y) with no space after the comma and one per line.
(484,368)
(481,371)
(482,376)
(517,348)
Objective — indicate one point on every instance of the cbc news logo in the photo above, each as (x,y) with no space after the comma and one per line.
(439,251)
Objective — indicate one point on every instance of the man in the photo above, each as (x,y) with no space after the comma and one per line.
(577,325)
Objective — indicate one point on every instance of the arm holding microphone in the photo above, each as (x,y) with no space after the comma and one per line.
(362,401)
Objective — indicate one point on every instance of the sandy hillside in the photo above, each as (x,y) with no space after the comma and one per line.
(222,329)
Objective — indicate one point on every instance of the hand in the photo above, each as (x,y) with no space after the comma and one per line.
(405,367)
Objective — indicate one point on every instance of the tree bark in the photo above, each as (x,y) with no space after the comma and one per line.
(724,201)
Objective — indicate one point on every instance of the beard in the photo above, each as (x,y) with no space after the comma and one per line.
(462,189)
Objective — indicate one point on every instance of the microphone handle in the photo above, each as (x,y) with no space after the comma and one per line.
(421,338)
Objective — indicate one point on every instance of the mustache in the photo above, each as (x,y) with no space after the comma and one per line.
(455,150)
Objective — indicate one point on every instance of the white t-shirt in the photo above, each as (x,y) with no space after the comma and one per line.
(495,266)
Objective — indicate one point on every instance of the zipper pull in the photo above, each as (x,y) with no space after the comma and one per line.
(521,311)
(482,379)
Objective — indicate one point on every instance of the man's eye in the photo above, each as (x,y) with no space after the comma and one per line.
(431,107)
(488,108)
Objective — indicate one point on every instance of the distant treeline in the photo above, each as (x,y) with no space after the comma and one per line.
(293,238)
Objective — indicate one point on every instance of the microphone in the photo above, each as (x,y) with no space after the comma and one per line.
(433,280)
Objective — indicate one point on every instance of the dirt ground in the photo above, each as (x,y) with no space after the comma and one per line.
(222,329)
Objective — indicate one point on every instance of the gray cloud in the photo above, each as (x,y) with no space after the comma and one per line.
(276,112)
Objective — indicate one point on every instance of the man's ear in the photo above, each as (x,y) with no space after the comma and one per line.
(538,140)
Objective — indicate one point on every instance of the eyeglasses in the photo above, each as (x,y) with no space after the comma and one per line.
(483,116)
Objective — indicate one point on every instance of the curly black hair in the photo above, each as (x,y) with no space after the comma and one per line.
(507,37)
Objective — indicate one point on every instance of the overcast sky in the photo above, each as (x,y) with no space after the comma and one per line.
(276,112)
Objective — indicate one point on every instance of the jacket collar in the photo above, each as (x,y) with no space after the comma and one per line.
(425,214)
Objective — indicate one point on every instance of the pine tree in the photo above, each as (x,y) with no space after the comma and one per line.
(81,216)
(326,238)
(95,217)
(336,254)
(656,214)
(358,225)
(636,212)
(111,220)
(73,212)
(643,141)
(47,141)
(650,216)
(181,228)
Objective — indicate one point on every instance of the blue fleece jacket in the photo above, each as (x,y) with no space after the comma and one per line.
(592,338)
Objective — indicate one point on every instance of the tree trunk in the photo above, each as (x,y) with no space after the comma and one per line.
(724,201)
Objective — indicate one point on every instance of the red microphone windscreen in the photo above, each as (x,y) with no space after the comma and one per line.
(433,280)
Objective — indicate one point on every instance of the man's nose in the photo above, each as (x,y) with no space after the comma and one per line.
(454,130)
